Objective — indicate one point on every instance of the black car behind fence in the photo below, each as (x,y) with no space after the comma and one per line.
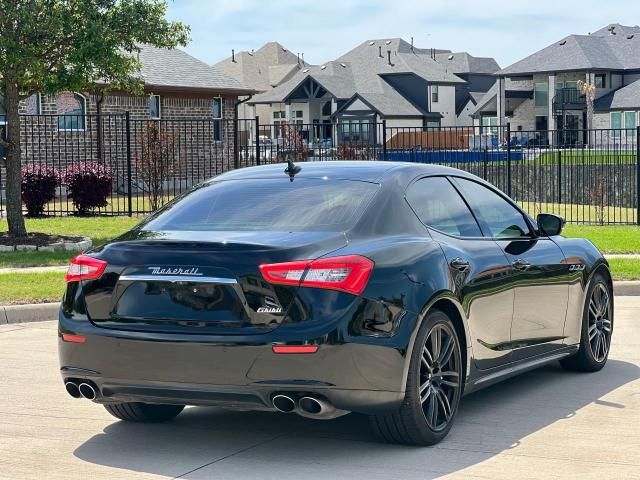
(587,176)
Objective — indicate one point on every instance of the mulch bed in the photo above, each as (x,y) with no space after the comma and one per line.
(37,239)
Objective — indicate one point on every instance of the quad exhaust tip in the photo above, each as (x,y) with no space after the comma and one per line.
(283,403)
(72,389)
(315,406)
(87,391)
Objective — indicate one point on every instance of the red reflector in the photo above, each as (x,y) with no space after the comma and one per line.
(84,267)
(294,348)
(348,274)
(73,338)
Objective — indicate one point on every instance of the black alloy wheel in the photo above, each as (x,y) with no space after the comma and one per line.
(434,387)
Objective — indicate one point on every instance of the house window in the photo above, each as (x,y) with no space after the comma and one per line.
(33,105)
(356,130)
(542,124)
(276,114)
(71,109)
(541,94)
(216,111)
(492,125)
(616,123)
(154,107)
(630,124)
(299,113)
(433,124)
(601,80)
(435,94)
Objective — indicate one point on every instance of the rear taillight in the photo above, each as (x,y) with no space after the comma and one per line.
(84,267)
(348,274)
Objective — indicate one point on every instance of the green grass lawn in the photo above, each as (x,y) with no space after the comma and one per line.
(585,157)
(99,229)
(16,288)
(609,239)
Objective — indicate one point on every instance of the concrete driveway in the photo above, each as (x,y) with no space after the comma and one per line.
(545,424)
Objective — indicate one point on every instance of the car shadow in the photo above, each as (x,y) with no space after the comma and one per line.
(489,422)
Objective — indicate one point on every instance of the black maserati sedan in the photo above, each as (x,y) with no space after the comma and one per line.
(387,289)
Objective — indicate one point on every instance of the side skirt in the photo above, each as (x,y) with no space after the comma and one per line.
(480,379)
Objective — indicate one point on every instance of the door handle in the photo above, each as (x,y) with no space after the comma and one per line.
(460,264)
(521,264)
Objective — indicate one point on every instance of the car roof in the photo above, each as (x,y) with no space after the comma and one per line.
(366,170)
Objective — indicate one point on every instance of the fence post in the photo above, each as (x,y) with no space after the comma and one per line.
(559,176)
(509,159)
(638,174)
(236,133)
(127,117)
(257,120)
(384,139)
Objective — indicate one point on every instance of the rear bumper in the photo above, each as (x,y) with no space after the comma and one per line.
(360,373)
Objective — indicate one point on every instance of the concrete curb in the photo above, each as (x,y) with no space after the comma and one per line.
(627,288)
(49,311)
(36,312)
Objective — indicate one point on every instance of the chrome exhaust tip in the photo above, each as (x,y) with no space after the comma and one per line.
(72,389)
(283,403)
(315,406)
(87,391)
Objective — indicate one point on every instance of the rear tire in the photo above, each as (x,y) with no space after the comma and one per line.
(434,386)
(597,328)
(143,412)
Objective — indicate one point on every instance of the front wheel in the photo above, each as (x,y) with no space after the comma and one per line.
(143,412)
(597,327)
(434,386)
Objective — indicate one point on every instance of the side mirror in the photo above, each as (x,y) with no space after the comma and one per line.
(550,224)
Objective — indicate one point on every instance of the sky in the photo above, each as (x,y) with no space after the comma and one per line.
(325,29)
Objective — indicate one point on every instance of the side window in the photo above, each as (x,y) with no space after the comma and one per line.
(498,217)
(439,206)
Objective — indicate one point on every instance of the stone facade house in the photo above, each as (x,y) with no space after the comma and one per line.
(540,92)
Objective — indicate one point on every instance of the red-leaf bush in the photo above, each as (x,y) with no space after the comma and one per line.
(88,185)
(39,184)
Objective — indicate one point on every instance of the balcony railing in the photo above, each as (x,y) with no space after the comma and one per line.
(569,98)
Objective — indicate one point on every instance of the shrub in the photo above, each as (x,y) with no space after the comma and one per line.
(39,184)
(88,185)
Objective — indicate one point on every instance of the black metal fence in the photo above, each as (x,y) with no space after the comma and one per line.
(588,176)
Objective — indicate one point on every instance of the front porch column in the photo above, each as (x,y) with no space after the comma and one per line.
(551,119)
(287,109)
(501,109)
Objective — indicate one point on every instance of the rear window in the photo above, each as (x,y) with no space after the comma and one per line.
(267,204)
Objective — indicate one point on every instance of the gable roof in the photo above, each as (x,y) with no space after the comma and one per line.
(363,70)
(598,51)
(263,69)
(175,68)
(623,98)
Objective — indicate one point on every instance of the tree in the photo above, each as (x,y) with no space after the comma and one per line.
(48,46)
(589,92)
(155,159)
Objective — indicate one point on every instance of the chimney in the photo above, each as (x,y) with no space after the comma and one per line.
(233,55)
(389,57)
(302,55)
(380,51)
(298,58)
(412,44)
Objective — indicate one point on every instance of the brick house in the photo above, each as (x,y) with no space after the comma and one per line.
(192,101)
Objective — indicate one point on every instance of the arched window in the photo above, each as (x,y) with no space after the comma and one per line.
(71,109)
